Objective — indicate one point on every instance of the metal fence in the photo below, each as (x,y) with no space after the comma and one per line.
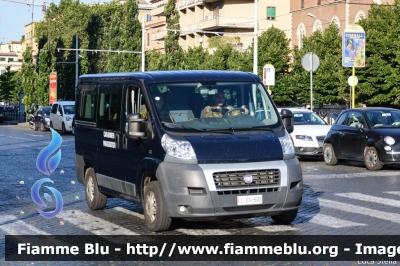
(326,113)
(14,115)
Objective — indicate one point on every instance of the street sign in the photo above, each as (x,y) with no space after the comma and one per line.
(310,61)
(269,75)
(350,81)
(53,88)
(353,46)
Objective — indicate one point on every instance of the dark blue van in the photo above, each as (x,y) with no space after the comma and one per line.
(186,144)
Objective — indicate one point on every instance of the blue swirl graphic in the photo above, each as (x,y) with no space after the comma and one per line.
(47,151)
(36,198)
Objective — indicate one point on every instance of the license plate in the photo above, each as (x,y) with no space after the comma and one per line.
(249,200)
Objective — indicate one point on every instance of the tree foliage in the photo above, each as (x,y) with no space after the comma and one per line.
(115,26)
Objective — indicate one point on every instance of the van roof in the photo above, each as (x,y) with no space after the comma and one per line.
(175,75)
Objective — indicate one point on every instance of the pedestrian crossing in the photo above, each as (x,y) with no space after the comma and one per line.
(99,223)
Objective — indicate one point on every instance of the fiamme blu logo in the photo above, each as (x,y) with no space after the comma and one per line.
(47,163)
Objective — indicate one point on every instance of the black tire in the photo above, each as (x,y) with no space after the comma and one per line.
(285,218)
(35,128)
(42,127)
(329,154)
(63,130)
(154,208)
(371,159)
(94,198)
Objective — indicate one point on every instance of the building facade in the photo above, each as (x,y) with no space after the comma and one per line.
(10,55)
(308,16)
(202,19)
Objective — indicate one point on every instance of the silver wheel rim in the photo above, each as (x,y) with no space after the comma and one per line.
(372,158)
(151,206)
(328,155)
(90,188)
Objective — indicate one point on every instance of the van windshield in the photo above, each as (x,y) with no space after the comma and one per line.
(69,109)
(208,106)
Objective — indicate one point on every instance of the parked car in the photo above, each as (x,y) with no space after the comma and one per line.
(309,132)
(40,119)
(61,116)
(367,134)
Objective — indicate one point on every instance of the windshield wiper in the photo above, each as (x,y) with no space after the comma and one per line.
(181,126)
(262,128)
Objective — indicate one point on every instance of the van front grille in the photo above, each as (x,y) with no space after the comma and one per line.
(268,177)
(247,191)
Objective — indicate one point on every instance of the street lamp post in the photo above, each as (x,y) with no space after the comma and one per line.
(255,55)
(313,16)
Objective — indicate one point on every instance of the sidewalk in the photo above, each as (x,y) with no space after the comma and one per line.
(15,122)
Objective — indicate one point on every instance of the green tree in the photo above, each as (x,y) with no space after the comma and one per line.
(132,37)
(380,78)
(7,84)
(174,54)
(196,58)
(28,78)
(42,81)
(329,80)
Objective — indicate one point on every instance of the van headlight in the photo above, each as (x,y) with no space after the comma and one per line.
(68,118)
(287,146)
(177,148)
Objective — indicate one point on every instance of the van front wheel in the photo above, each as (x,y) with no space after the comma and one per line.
(155,211)
(94,198)
(285,218)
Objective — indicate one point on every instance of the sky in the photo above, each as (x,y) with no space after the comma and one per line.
(14,17)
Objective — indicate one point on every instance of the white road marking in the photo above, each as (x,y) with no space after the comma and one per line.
(359,196)
(330,221)
(392,217)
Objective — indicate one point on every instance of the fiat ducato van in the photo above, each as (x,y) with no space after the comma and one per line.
(194,145)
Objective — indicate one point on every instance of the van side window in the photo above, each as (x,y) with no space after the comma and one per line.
(109,107)
(86,102)
(136,102)
(54,109)
(60,110)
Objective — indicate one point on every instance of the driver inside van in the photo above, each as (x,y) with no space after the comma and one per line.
(219,109)
(161,108)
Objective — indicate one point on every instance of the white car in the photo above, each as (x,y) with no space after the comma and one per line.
(61,116)
(309,132)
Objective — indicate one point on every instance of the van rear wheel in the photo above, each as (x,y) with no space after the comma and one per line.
(285,218)
(155,210)
(94,198)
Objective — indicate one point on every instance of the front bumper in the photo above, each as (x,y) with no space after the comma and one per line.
(309,151)
(193,187)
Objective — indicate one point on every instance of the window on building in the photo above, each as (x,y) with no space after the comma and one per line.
(10,59)
(318,2)
(2,59)
(148,17)
(271,12)
(2,72)
(148,39)
(302,3)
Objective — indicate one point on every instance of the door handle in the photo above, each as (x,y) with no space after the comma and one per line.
(117,140)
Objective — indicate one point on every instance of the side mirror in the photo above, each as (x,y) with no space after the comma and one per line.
(287,118)
(58,113)
(359,126)
(134,127)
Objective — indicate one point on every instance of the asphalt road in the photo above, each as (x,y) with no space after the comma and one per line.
(346,199)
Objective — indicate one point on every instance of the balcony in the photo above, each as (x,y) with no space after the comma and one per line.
(158,35)
(158,8)
(191,29)
(188,3)
(212,23)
